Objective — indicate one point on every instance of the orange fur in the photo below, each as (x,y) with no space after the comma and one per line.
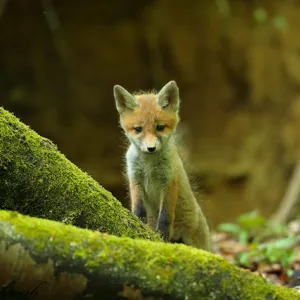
(134,194)
(147,114)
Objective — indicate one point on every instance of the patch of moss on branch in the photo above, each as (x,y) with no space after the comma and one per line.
(104,266)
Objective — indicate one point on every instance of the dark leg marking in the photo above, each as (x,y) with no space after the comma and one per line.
(163,224)
(180,241)
(140,211)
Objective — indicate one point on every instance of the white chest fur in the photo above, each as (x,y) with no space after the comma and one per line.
(153,172)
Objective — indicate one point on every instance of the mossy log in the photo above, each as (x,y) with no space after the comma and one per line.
(37,180)
(45,259)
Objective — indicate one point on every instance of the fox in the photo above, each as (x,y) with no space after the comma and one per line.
(159,187)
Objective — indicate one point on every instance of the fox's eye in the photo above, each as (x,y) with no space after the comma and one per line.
(160,127)
(137,129)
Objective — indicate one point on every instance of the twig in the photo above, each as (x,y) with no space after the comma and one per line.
(290,198)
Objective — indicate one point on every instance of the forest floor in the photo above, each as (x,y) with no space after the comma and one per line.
(269,250)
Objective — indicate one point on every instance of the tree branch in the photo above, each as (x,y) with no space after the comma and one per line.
(50,260)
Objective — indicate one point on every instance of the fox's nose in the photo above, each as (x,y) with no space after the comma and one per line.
(151,149)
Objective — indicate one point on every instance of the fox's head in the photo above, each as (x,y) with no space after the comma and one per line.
(149,120)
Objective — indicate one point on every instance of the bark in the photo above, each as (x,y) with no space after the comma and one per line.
(37,180)
(45,259)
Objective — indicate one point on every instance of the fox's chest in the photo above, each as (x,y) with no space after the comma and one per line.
(154,174)
(153,177)
(154,183)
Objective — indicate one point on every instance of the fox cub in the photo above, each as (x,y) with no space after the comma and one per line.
(160,191)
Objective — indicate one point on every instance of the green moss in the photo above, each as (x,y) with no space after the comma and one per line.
(168,269)
(37,180)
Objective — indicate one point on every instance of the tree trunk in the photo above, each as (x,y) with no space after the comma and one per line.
(37,180)
(49,260)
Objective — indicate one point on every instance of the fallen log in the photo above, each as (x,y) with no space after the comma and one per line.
(49,260)
(37,180)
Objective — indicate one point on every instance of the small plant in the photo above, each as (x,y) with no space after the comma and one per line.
(267,242)
(280,251)
(252,227)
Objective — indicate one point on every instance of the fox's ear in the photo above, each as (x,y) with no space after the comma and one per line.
(124,100)
(168,97)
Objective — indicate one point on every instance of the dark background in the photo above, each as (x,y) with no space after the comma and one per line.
(237,64)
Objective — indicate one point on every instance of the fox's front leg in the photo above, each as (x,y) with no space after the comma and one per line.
(167,212)
(137,205)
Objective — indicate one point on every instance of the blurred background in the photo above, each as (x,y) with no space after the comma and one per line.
(237,64)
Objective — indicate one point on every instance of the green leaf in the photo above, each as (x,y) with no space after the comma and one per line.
(280,22)
(277,228)
(230,228)
(260,15)
(251,220)
(273,254)
(244,259)
(244,237)
(290,272)
(253,246)
(288,257)
(285,243)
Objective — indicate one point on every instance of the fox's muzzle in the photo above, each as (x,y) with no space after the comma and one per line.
(150,145)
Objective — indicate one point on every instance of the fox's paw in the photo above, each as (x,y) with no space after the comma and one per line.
(163,229)
(140,211)
(165,236)
(179,241)
(164,225)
